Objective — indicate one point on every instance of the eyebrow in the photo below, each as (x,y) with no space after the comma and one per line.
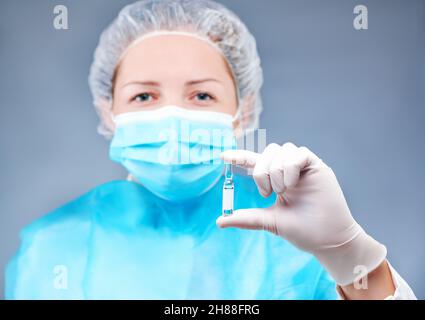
(143,83)
(198,81)
(157,84)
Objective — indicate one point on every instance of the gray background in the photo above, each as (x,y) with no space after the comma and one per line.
(356,98)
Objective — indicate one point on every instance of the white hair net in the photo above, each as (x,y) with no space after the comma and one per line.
(203,18)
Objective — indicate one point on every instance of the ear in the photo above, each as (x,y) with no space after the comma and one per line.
(104,110)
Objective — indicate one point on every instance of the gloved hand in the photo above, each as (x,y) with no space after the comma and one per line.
(310,211)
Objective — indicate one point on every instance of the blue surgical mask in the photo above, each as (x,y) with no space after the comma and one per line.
(173,152)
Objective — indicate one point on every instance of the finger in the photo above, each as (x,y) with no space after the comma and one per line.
(291,175)
(277,176)
(297,161)
(309,159)
(261,173)
(252,219)
(276,170)
(291,165)
(243,158)
(292,161)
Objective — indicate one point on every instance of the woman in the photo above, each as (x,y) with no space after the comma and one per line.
(174,83)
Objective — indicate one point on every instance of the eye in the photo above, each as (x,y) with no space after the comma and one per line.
(204,96)
(143,97)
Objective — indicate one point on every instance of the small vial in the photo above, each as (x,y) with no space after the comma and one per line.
(228,190)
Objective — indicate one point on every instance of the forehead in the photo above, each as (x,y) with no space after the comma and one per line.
(173,54)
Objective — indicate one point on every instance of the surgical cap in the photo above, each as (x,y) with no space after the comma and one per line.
(202,18)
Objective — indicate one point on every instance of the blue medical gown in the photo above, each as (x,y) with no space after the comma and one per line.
(119,241)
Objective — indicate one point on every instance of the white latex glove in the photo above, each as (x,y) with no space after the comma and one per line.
(310,211)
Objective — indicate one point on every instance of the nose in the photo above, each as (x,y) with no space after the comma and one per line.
(174,96)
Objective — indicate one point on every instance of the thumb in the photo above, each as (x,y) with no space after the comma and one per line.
(253,219)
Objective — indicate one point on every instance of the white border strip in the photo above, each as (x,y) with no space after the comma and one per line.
(170,111)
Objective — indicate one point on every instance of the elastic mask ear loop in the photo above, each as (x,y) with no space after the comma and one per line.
(238,130)
(113,117)
(103,109)
(113,123)
(111,114)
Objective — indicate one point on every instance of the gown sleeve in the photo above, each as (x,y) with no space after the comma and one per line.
(325,288)
(52,256)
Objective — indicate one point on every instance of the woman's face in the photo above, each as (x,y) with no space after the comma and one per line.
(173,70)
